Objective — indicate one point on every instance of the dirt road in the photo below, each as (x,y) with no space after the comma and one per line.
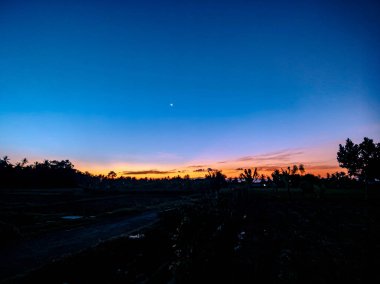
(31,254)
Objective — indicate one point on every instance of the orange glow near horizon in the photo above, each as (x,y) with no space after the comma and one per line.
(317,160)
(156,172)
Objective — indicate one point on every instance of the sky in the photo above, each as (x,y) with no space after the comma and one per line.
(157,88)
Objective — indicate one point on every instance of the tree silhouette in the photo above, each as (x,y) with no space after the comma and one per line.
(277,180)
(294,170)
(24,162)
(248,176)
(262,180)
(216,180)
(361,160)
(286,179)
(111,175)
(21,164)
(301,168)
(4,162)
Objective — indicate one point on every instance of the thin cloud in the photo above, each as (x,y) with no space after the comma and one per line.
(308,167)
(246,158)
(149,172)
(196,166)
(321,167)
(199,170)
(284,156)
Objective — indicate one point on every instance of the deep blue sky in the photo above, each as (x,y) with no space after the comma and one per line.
(92,81)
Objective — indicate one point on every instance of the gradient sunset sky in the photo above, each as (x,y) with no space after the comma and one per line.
(158,88)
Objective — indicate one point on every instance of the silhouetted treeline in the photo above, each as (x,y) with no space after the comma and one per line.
(63,174)
(361,160)
(46,174)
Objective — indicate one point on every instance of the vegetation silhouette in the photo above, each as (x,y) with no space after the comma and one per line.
(216,180)
(361,160)
(249,177)
(46,174)
(286,227)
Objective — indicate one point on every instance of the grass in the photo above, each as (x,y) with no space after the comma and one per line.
(25,213)
(262,237)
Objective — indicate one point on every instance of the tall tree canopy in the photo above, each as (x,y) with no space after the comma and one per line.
(361,160)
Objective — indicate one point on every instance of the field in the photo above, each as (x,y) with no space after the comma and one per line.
(32,211)
(262,236)
(40,225)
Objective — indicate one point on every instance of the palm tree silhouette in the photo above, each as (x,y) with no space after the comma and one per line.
(301,168)
(4,162)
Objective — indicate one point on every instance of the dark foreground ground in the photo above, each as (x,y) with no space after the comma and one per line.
(39,226)
(261,237)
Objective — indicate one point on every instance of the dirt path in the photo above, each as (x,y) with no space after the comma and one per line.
(30,254)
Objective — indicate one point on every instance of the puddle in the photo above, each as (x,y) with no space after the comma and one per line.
(138,236)
(72,217)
